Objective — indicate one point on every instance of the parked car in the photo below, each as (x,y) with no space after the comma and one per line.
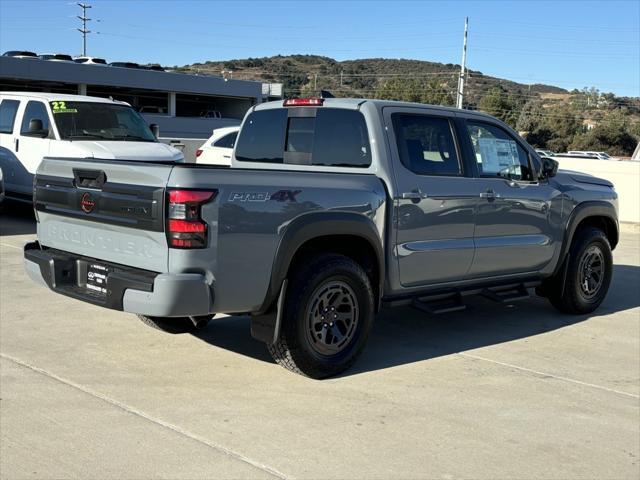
(35,125)
(124,64)
(210,114)
(153,109)
(218,148)
(545,153)
(90,60)
(154,66)
(332,210)
(599,155)
(575,155)
(20,54)
(56,57)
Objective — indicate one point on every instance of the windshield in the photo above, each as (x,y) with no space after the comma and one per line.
(100,121)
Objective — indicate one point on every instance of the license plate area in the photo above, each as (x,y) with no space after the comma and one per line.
(96,278)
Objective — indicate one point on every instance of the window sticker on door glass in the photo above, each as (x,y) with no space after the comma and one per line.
(497,154)
(61,107)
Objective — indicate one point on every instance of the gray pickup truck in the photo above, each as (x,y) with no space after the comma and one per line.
(332,210)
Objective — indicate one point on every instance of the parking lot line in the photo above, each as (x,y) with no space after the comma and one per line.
(10,246)
(134,411)
(550,375)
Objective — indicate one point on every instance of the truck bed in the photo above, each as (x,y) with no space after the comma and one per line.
(252,212)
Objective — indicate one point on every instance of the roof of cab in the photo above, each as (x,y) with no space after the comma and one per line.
(49,97)
(354,103)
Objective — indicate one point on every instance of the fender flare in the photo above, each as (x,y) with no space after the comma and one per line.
(302,229)
(595,208)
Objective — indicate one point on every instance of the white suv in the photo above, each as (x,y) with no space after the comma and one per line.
(218,148)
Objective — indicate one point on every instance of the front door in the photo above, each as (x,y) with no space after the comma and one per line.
(435,199)
(514,229)
(9,163)
(32,146)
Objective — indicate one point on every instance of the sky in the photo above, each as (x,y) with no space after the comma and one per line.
(571,44)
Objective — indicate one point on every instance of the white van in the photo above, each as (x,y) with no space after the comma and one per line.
(37,125)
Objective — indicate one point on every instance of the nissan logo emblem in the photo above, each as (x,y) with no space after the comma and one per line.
(87,203)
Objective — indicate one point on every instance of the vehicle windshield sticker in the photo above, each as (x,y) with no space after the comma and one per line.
(497,154)
(61,107)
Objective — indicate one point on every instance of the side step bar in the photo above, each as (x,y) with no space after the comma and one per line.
(506,295)
(454,302)
(447,304)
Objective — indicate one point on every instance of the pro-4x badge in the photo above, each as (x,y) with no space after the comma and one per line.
(279,196)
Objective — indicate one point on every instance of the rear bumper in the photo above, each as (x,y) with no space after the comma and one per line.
(128,289)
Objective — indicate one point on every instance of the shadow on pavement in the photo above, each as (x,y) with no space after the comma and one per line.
(404,335)
(16,219)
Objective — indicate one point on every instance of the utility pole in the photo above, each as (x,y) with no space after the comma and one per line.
(341,73)
(460,96)
(315,82)
(83,30)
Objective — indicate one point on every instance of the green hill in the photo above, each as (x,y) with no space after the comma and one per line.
(301,74)
(548,116)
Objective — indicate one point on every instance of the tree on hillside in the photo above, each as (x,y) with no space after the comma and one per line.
(498,103)
(611,135)
(436,93)
(415,90)
(408,90)
(563,124)
(531,116)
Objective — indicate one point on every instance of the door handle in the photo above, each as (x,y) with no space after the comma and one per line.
(17,144)
(414,195)
(226,156)
(490,194)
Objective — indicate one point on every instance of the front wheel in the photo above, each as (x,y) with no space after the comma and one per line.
(588,274)
(328,313)
(177,325)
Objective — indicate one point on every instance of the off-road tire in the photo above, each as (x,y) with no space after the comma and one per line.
(293,349)
(175,325)
(572,299)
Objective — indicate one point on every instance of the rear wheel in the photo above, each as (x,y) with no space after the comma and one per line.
(588,274)
(328,312)
(177,324)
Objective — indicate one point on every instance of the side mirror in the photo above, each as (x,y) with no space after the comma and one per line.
(549,167)
(155,129)
(36,129)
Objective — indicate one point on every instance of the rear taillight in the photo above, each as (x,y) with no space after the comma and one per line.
(185,227)
(198,153)
(304,102)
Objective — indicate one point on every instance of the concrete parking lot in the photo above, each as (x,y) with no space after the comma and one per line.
(494,392)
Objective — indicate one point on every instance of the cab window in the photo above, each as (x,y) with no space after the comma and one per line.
(8,109)
(497,153)
(426,145)
(329,137)
(34,111)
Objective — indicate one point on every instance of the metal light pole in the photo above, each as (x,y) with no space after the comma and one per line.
(460,96)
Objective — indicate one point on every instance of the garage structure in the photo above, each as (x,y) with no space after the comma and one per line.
(181,104)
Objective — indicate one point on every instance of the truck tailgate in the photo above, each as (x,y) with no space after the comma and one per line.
(109,210)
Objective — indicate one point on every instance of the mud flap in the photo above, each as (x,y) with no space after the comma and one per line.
(556,283)
(266,328)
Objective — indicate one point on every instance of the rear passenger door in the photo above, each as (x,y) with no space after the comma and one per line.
(434,207)
(514,228)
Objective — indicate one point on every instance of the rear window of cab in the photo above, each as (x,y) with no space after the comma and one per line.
(305,136)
